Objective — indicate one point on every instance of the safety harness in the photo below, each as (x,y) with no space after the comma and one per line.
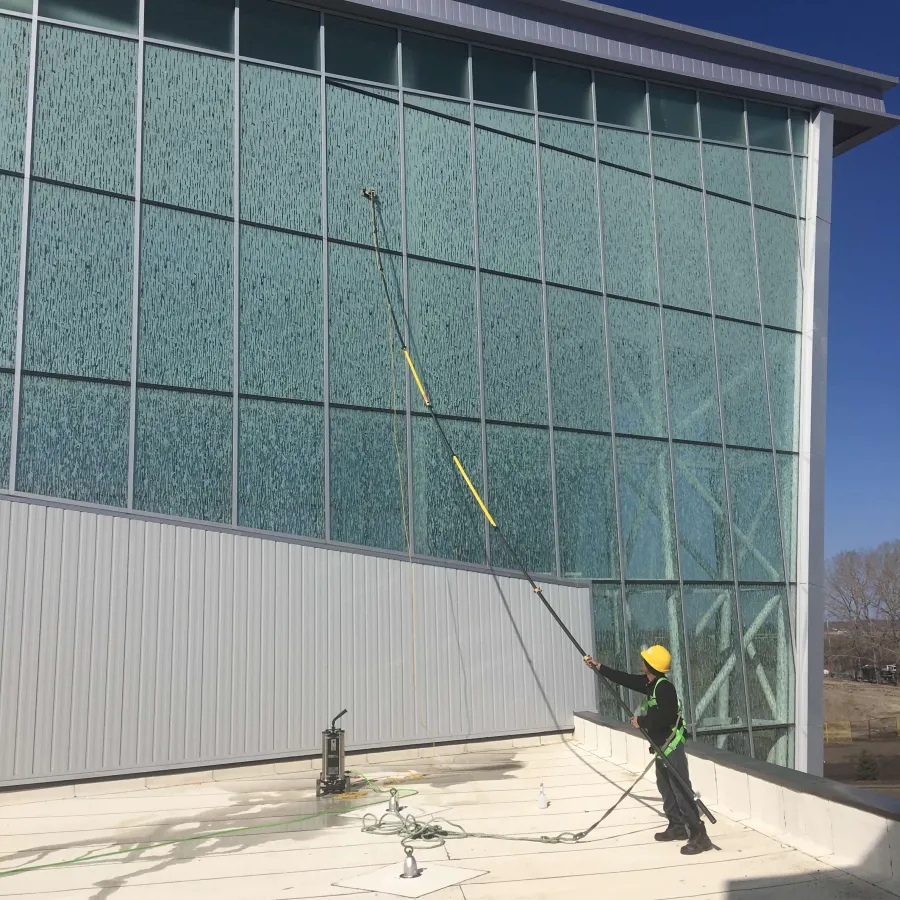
(677,737)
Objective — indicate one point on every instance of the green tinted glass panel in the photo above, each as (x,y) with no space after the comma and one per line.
(725,171)
(676,160)
(365,356)
(280,314)
(691,370)
(503,78)
(653,614)
(202,23)
(799,129)
(783,356)
(183,455)
(79,296)
(188,129)
(281,481)
(73,440)
(779,269)
(609,643)
(673,110)
(772,176)
(503,120)
(681,232)
(567,135)
(6,404)
(800,185)
(637,368)
(439,220)
(512,329)
(774,745)
(10,235)
(705,542)
(743,384)
(767,655)
(571,239)
(360,50)
(578,374)
(507,204)
(84,130)
(519,496)
(563,90)
(648,516)
(368,478)
(186,334)
(448,522)
(732,741)
(435,65)
(437,104)
(24,6)
(281,149)
(732,261)
(280,33)
(621,101)
(586,505)
(722,119)
(443,320)
(768,126)
(15,48)
(624,148)
(754,510)
(714,652)
(788,483)
(629,255)
(363,152)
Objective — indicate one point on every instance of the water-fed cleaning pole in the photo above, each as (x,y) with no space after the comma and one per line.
(371,196)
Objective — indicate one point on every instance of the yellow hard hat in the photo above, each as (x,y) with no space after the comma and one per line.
(658,658)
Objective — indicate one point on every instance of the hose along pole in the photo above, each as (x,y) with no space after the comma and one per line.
(370,195)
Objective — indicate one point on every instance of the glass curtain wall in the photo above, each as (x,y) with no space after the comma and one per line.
(598,277)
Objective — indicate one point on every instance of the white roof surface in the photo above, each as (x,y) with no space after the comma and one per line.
(491,788)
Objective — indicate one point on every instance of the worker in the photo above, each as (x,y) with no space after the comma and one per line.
(660,717)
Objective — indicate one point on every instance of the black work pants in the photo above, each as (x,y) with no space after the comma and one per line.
(679,806)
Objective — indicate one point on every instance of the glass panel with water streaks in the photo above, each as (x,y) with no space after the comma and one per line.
(188,138)
(73,440)
(648,515)
(84,117)
(717,684)
(79,287)
(281,481)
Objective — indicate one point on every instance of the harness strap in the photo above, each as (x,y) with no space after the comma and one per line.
(677,737)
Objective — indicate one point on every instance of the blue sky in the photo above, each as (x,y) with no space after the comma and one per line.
(863,440)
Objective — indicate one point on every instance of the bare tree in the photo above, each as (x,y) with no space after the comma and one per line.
(863,601)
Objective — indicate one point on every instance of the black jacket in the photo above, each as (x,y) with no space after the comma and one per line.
(659,720)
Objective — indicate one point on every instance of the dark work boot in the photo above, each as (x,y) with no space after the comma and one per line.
(698,842)
(673,833)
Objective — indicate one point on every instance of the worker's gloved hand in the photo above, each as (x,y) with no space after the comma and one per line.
(592,663)
(634,721)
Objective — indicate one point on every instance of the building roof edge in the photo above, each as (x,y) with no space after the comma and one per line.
(651,24)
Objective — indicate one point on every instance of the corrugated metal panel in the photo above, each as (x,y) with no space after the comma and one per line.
(129,644)
(663,55)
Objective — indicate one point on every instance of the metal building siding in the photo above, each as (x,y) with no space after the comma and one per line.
(132,645)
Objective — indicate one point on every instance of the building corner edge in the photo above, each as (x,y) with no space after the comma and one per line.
(810,600)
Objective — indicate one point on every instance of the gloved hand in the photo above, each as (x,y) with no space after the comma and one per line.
(592,663)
